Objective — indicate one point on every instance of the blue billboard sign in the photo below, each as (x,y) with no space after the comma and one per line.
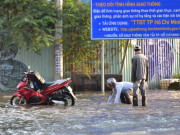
(135,19)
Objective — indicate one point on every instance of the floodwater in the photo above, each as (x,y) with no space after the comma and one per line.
(91,115)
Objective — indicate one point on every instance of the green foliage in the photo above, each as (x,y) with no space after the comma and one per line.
(176,76)
(80,50)
(27,23)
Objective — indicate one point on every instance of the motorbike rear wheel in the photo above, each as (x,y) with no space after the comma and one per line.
(68,99)
(15,100)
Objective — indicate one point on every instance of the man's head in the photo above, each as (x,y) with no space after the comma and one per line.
(111,82)
(137,48)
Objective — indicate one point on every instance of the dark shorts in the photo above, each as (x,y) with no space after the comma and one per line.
(125,98)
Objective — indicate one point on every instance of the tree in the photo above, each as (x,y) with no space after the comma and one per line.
(29,23)
(80,50)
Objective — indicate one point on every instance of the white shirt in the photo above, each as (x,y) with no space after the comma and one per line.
(119,87)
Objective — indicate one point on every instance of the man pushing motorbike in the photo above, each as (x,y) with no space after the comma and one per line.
(120,90)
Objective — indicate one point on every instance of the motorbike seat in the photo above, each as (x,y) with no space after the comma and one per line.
(47,84)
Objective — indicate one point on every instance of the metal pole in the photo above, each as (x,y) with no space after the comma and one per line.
(102,66)
(59,46)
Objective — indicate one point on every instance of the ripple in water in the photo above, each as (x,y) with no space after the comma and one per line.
(91,115)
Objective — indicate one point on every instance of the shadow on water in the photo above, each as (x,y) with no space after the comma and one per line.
(91,115)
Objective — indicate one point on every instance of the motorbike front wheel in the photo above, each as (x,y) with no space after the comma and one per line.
(68,99)
(15,100)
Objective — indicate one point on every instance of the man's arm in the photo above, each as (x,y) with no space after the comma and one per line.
(111,96)
(134,66)
(118,93)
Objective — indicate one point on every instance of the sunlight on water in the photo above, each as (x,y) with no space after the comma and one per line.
(91,115)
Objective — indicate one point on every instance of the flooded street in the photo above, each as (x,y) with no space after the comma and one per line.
(91,115)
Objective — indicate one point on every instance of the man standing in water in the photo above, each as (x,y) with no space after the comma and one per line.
(121,89)
(140,73)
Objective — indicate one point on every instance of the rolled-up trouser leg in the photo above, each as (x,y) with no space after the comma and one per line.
(135,92)
(143,88)
(123,99)
(135,101)
(127,97)
(136,85)
(144,100)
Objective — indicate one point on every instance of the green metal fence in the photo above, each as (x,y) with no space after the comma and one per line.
(163,55)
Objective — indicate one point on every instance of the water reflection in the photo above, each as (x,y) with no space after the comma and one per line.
(92,116)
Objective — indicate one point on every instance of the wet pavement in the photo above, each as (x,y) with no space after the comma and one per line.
(91,115)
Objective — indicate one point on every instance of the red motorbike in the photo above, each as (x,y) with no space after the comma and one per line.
(33,90)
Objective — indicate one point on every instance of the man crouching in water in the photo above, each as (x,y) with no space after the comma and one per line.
(123,90)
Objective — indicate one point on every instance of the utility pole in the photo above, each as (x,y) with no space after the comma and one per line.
(102,66)
(58,46)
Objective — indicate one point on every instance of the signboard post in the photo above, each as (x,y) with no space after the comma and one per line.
(102,66)
(130,19)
